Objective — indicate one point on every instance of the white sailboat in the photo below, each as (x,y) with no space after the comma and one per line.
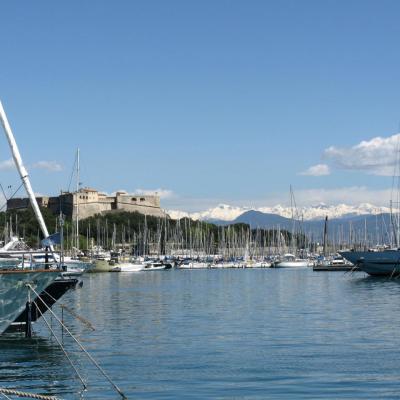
(290,260)
(72,265)
(14,289)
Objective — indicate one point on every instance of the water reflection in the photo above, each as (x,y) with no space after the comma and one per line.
(257,334)
(36,365)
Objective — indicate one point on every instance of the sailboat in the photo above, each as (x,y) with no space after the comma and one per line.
(15,285)
(73,266)
(290,260)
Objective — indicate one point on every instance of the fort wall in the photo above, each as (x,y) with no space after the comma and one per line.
(90,202)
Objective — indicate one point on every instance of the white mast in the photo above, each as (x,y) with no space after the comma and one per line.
(77,200)
(22,171)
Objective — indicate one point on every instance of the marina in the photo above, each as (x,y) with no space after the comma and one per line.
(200,200)
(241,272)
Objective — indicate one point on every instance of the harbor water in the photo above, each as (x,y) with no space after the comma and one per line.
(219,334)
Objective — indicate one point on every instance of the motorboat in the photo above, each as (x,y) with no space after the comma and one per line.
(290,261)
(75,267)
(332,261)
(258,264)
(156,266)
(228,264)
(190,264)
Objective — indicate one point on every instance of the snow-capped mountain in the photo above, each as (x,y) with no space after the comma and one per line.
(222,212)
(226,212)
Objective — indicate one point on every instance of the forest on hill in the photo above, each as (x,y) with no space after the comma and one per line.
(141,233)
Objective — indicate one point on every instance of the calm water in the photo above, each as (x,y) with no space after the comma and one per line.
(221,334)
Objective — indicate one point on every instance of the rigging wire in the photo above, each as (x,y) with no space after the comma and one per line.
(4,193)
(62,348)
(79,344)
(72,173)
(5,205)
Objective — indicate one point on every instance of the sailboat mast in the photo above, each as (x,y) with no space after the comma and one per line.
(325,236)
(22,171)
(77,200)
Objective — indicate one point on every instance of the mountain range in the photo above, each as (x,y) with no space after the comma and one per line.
(225,212)
(345,223)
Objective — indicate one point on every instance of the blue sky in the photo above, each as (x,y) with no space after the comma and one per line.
(208,101)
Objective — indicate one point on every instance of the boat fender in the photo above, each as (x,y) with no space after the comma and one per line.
(28,322)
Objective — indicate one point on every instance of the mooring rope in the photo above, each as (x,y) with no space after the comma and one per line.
(5,396)
(73,313)
(18,393)
(78,317)
(62,348)
(80,345)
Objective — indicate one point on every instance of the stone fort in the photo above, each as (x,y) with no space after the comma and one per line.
(89,202)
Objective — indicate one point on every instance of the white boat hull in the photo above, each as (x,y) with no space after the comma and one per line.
(293,264)
(195,265)
(228,265)
(156,267)
(261,264)
(128,267)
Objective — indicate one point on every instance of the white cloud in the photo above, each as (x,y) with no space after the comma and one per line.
(377,156)
(7,164)
(51,166)
(163,193)
(317,170)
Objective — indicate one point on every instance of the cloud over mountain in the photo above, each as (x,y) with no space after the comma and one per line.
(377,156)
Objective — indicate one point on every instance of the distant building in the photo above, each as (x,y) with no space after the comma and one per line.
(89,202)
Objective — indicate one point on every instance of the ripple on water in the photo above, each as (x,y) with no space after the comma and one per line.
(271,333)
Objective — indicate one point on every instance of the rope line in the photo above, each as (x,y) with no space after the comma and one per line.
(78,317)
(18,393)
(5,396)
(73,313)
(80,345)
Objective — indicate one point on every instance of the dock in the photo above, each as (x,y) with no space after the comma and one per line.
(335,268)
